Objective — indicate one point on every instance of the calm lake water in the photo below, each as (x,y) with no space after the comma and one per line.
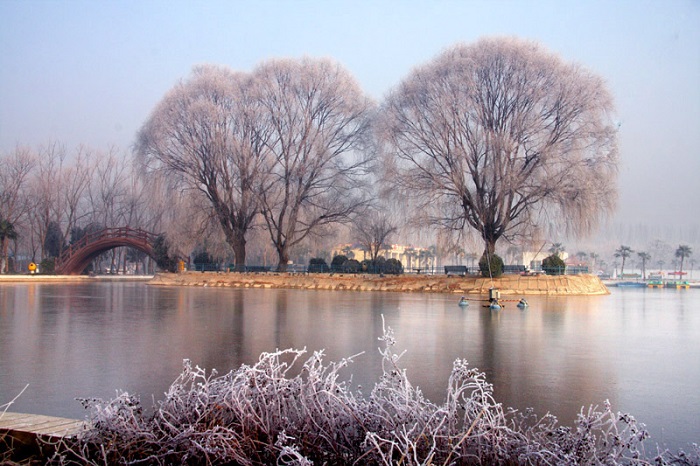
(638,348)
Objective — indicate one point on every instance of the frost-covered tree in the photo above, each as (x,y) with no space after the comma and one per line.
(15,201)
(204,132)
(318,119)
(502,136)
(47,197)
(74,183)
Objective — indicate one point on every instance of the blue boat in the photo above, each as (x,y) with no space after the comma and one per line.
(631,285)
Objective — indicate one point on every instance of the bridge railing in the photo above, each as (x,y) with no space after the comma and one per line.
(138,234)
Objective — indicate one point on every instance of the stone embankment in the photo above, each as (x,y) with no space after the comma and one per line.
(507,284)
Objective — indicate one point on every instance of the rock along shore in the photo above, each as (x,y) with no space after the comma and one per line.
(507,284)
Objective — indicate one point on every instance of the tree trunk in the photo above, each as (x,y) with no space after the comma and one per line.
(283,255)
(490,248)
(235,237)
(238,245)
(490,237)
(3,256)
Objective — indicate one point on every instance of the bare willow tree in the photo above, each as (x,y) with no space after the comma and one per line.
(75,181)
(372,230)
(108,188)
(318,118)
(501,136)
(204,132)
(46,192)
(15,202)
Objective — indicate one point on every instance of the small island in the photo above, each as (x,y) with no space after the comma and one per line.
(509,285)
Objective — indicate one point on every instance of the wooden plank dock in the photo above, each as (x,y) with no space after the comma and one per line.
(39,425)
(26,435)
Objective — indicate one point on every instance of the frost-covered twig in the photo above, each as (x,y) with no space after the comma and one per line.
(6,406)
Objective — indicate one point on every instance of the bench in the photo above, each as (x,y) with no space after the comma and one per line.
(514,269)
(456,270)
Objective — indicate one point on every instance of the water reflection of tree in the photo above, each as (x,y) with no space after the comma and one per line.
(281,305)
(537,358)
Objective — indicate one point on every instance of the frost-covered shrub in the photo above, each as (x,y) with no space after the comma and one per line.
(275,412)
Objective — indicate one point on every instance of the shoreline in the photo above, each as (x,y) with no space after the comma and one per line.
(508,285)
(39,278)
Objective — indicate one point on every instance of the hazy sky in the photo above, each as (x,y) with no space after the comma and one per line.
(91,71)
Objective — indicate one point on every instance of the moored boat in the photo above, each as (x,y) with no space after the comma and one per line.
(631,284)
(679,285)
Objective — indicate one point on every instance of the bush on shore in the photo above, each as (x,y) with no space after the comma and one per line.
(553,265)
(382,265)
(491,266)
(318,265)
(274,412)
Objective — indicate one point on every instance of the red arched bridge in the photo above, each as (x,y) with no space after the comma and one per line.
(78,256)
